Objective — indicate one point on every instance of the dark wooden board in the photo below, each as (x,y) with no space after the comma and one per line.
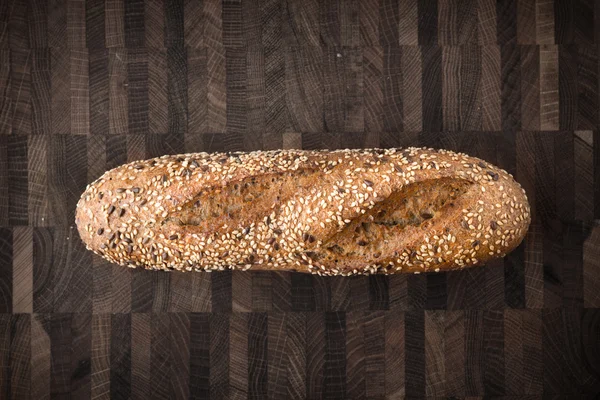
(88,85)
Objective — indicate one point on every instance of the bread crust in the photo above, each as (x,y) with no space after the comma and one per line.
(341,212)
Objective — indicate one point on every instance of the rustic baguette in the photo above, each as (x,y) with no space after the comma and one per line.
(340,212)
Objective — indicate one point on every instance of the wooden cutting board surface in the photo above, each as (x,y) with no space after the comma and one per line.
(88,85)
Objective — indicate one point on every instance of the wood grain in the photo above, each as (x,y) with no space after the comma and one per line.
(22,269)
(154,23)
(587,86)
(37,14)
(137,90)
(374,342)
(60,90)
(43,285)
(114,12)
(120,356)
(355,355)
(373,83)
(315,354)
(100,356)
(415,377)
(526,22)
(17,180)
(57,23)
(160,355)
(412,72)
(41,360)
(241,292)
(513,350)
(200,349)
(434,353)
(86,86)
(258,339)
(549,99)
(81,329)
(20,356)
(177,90)
(219,352)
(61,350)
(277,361)
(303,86)
(21,62)
(457,23)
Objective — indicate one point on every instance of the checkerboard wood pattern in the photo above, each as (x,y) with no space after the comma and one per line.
(87,85)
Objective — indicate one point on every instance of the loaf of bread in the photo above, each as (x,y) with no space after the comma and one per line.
(342,212)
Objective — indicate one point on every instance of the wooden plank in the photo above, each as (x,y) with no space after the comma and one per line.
(200,350)
(72,273)
(81,328)
(415,376)
(257,364)
(61,347)
(301,23)
(219,356)
(60,91)
(389,19)
(432,88)
(43,273)
(434,353)
(428,22)
(457,22)
(80,92)
(41,117)
(100,356)
(393,115)
(134,24)
(137,90)
(76,24)
(304,88)
(315,354)
(120,356)
(373,84)
(17,180)
(298,355)
(374,341)
(513,350)
(180,341)
(530,87)
(22,279)
(21,60)
(544,18)
(41,358)
(57,23)
(117,91)
(549,98)
(154,23)
(94,24)
(114,12)
(276,356)
(369,15)
(6,275)
(177,91)
(38,24)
